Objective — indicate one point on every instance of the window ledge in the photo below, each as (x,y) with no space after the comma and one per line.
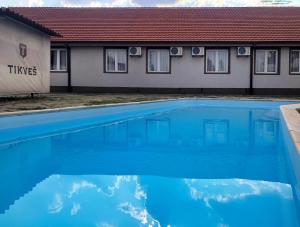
(267,74)
(58,71)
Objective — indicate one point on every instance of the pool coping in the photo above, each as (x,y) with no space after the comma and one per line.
(70,108)
(292,119)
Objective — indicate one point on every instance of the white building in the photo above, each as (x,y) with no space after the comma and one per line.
(195,50)
(24,54)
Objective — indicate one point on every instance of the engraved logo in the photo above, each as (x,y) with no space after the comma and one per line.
(23,50)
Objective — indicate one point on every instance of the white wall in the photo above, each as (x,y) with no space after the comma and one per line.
(186,72)
(12,33)
(59,78)
(283,80)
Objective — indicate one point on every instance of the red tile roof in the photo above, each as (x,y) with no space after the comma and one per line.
(248,24)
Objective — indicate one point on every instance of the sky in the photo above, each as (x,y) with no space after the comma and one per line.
(158,3)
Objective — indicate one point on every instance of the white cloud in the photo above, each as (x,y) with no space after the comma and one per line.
(57,205)
(117,183)
(104,224)
(75,209)
(114,3)
(78,186)
(136,213)
(224,191)
(220,3)
(140,214)
(25,3)
(139,192)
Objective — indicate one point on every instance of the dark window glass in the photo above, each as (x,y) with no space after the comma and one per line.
(53,65)
(295,61)
(63,60)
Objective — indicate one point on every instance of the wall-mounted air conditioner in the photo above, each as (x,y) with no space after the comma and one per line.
(197,51)
(176,51)
(243,51)
(135,51)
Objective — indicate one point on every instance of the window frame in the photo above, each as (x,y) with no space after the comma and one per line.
(105,61)
(290,60)
(58,49)
(147,61)
(205,59)
(278,60)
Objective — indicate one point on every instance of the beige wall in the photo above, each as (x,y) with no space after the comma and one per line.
(59,79)
(38,55)
(283,80)
(186,72)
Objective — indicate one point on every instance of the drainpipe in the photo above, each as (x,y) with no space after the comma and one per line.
(69,68)
(251,71)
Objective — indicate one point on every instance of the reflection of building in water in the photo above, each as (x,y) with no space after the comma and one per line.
(142,146)
(116,134)
(216,132)
(158,131)
(186,132)
(265,132)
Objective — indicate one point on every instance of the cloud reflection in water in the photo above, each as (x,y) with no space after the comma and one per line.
(95,200)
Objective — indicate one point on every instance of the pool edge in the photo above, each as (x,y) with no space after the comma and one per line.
(70,108)
(292,120)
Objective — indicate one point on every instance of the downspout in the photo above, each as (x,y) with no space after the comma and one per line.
(251,70)
(69,68)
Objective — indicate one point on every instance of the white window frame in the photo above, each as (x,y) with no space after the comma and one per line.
(291,72)
(217,71)
(116,70)
(266,61)
(58,69)
(157,61)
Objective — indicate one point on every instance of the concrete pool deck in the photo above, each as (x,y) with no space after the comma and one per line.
(22,104)
(292,119)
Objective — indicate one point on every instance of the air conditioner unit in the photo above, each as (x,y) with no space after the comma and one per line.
(243,51)
(176,51)
(197,51)
(135,51)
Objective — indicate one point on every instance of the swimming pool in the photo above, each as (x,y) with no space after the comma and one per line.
(177,163)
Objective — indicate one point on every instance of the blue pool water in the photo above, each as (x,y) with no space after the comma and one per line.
(170,164)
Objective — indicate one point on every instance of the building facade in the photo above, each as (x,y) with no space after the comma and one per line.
(89,71)
(240,50)
(24,55)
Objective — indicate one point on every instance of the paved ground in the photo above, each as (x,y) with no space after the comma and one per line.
(59,100)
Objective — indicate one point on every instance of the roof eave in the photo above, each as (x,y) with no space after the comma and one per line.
(12,14)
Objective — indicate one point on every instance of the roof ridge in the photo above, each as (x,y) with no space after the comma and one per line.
(155,7)
(140,24)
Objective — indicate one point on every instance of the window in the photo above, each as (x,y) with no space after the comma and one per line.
(266,61)
(265,132)
(116,60)
(295,62)
(216,132)
(217,61)
(116,134)
(158,131)
(158,61)
(58,60)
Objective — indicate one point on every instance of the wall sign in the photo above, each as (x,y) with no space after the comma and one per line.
(23,50)
(22,70)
